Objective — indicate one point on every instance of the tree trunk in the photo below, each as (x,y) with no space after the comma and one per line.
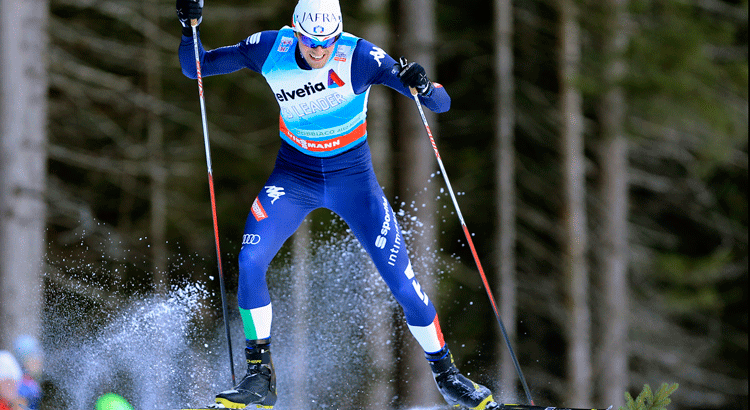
(505,197)
(575,242)
(155,133)
(612,363)
(23,159)
(417,161)
(379,131)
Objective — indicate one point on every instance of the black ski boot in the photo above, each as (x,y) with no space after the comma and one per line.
(257,390)
(457,390)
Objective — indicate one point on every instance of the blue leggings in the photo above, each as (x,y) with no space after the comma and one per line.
(345,184)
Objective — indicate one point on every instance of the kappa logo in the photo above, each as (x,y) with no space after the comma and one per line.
(274,192)
(377,54)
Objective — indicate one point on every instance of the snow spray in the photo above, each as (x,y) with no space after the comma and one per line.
(158,352)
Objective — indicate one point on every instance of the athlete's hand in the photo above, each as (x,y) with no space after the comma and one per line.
(189,10)
(413,75)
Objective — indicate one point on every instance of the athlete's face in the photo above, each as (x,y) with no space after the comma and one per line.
(316,56)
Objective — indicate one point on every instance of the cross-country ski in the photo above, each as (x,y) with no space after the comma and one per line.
(528,407)
(491,406)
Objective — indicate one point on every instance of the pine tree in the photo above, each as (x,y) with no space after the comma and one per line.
(647,400)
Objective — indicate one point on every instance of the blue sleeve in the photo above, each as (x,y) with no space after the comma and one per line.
(249,53)
(371,65)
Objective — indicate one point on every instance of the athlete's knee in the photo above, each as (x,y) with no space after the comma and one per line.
(252,264)
(403,292)
(411,296)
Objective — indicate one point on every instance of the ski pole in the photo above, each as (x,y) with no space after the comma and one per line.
(468,239)
(194,25)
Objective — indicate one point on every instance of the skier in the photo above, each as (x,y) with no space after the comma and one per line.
(321,77)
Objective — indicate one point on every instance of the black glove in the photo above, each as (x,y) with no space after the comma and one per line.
(413,75)
(189,10)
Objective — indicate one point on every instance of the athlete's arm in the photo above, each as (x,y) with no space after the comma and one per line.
(371,65)
(249,53)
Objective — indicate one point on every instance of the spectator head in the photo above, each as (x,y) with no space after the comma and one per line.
(29,354)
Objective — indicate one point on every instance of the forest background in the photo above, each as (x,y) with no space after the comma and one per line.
(598,148)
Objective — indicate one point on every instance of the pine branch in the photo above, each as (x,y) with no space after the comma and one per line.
(647,400)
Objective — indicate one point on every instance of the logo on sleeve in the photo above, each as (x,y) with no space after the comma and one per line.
(285,44)
(377,54)
(254,39)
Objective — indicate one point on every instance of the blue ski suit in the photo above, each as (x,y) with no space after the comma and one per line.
(324,162)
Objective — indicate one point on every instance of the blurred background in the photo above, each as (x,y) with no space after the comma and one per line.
(598,149)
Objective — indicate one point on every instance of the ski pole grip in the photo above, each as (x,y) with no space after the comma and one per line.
(403,63)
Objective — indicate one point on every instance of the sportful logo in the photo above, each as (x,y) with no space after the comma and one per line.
(274,193)
(381,240)
(389,222)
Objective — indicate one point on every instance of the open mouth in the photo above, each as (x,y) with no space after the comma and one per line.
(317,57)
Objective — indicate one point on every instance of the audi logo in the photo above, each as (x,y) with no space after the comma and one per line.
(250,239)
